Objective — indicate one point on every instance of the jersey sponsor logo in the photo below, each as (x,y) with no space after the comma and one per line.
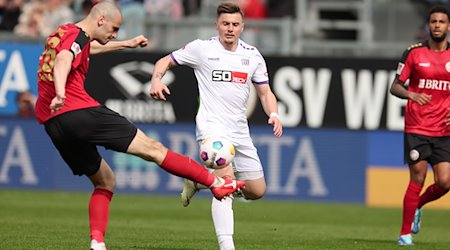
(447,66)
(213,58)
(426,65)
(75,48)
(229,76)
(434,84)
(400,68)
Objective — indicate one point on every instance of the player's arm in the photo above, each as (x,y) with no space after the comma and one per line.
(63,64)
(159,89)
(97,48)
(398,89)
(269,104)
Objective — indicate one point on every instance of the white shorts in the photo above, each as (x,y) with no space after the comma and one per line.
(249,175)
(246,164)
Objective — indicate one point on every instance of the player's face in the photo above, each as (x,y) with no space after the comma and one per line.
(230,27)
(108,28)
(439,26)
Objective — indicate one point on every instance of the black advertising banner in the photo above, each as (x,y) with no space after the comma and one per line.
(121,81)
(336,92)
(312,92)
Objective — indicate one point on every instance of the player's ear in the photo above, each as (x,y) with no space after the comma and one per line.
(101,20)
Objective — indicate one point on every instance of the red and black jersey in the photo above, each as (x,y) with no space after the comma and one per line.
(428,72)
(72,38)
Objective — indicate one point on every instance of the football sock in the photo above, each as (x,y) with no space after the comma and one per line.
(432,193)
(223,219)
(99,213)
(410,201)
(184,166)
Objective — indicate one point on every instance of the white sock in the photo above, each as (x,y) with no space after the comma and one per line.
(223,219)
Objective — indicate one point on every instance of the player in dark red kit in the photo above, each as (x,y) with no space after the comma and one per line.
(77,123)
(427,131)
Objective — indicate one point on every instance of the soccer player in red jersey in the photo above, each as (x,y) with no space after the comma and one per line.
(427,133)
(77,124)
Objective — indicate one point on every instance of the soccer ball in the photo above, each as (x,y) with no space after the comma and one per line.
(216,152)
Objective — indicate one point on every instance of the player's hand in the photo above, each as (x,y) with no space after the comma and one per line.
(420,98)
(277,127)
(140,40)
(158,90)
(57,103)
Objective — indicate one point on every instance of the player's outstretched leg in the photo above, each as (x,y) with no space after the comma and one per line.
(226,187)
(417,221)
(185,167)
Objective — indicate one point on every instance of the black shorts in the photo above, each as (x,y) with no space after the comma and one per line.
(76,135)
(432,149)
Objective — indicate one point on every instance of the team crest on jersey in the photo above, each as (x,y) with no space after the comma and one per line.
(447,66)
(245,61)
(75,48)
(400,68)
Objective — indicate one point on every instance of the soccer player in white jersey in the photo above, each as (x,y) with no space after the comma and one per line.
(225,68)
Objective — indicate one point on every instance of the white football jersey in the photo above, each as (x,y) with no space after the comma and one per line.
(224,79)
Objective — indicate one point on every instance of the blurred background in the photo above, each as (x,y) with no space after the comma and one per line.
(330,62)
(374,28)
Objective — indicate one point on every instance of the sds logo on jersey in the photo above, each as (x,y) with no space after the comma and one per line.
(229,76)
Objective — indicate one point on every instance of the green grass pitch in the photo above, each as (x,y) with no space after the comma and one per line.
(59,220)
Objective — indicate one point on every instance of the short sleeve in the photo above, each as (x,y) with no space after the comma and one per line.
(74,41)
(260,76)
(404,66)
(189,54)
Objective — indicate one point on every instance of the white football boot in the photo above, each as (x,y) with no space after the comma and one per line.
(189,190)
(97,245)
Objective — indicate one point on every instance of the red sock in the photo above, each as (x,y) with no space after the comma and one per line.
(185,167)
(432,193)
(99,213)
(410,202)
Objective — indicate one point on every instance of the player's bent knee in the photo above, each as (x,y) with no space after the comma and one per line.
(254,194)
(104,181)
(419,179)
(444,183)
